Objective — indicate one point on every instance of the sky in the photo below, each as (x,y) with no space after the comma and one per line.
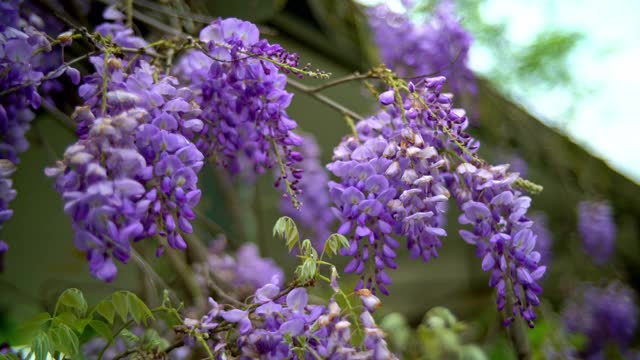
(606,64)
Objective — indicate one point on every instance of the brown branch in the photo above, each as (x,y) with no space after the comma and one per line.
(323,99)
(353,77)
(175,345)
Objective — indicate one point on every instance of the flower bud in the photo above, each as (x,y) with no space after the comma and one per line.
(369,301)
(387,97)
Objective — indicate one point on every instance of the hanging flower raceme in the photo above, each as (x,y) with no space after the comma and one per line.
(26,60)
(491,205)
(392,182)
(438,45)
(605,315)
(502,235)
(7,193)
(388,188)
(244,101)
(597,229)
(395,182)
(133,173)
(18,85)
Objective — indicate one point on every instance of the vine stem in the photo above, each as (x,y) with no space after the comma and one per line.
(516,331)
(104,349)
(148,269)
(105,81)
(208,222)
(129,13)
(352,126)
(323,99)
(63,119)
(50,75)
(215,287)
(125,354)
(206,347)
(235,211)
(200,251)
(345,79)
(185,273)
(175,345)
(151,21)
(345,297)
(285,178)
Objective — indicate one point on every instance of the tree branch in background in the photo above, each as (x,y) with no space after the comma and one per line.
(323,99)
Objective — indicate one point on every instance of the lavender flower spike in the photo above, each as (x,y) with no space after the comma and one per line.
(606,316)
(597,229)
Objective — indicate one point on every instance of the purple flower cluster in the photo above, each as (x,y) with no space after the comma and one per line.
(16,68)
(245,272)
(439,45)
(313,214)
(502,234)
(597,229)
(117,31)
(395,181)
(389,186)
(7,193)
(243,99)
(392,181)
(276,324)
(606,316)
(26,57)
(133,173)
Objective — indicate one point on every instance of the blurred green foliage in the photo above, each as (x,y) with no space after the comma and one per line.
(542,62)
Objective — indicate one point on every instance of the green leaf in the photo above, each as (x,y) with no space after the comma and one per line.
(73,300)
(439,317)
(308,270)
(107,310)
(280,226)
(121,304)
(397,329)
(300,352)
(29,329)
(286,228)
(340,240)
(129,336)
(332,244)
(138,309)
(306,247)
(472,352)
(41,346)
(152,340)
(9,356)
(69,319)
(64,339)
(357,338)
(102,329)
(170,316)
(336,242)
